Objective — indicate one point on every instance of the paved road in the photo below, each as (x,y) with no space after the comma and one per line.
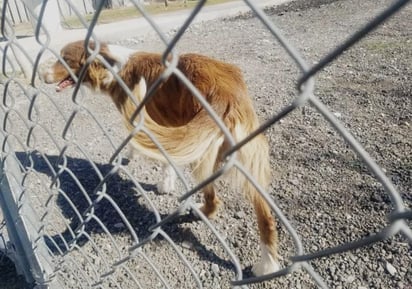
(167,21)
(135,27)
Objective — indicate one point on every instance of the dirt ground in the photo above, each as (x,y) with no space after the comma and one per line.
(320,184)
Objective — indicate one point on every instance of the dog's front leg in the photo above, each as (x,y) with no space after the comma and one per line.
(168,183)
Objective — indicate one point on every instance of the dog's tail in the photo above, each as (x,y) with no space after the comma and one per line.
(254,158)
(183,144)
(200,139)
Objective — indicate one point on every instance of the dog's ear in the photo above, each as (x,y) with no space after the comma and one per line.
(142,87)
(103,53)
(99,67)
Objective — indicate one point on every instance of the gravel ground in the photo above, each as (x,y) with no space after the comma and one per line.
(319,183)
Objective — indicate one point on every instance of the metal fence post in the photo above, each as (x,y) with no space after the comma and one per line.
(25,246)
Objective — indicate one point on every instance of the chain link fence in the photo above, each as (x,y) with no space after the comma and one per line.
(76,215)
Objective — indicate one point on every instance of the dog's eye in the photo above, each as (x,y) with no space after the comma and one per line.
(67,61)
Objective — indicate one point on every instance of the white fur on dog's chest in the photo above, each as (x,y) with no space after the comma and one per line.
(122,54)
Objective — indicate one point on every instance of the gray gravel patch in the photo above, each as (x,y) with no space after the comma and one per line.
(319,183)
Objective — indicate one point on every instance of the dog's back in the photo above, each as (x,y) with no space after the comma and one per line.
(175,120)
(173,104)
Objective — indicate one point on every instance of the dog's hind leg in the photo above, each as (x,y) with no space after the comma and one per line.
(211,202)
(254,157)
(268,237)
(204,169)
(167,184)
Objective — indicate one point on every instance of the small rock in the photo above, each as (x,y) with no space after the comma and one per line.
(389,267)
(294,182)
(216,283)
(187,245)
(332,269)
(240,215)
(223,235)
(314,248)
(119,225)
(350,278)
(215,269)
(202,274)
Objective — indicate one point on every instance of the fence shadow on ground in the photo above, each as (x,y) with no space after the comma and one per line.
(74,204)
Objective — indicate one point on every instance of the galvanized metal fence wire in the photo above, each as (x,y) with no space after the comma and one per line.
(52,205)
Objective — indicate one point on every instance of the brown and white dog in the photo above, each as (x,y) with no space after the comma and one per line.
(180,123)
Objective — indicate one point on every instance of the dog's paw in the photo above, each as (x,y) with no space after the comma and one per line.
(267,265)
(131,152)
(194,213)
(208,212)
(167,186)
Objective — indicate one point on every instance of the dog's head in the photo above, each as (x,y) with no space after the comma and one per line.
(74,57)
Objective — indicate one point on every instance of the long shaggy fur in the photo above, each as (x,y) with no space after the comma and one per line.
(182,126)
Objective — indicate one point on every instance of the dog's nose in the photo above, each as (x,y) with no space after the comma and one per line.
(46,72)
(47,77)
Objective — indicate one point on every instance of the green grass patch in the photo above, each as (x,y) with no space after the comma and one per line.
(385,46)
(124,13)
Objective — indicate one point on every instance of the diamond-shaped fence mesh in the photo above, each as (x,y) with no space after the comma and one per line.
(79,212)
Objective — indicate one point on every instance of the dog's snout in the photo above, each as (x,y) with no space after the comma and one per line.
(46,72)
(48,76)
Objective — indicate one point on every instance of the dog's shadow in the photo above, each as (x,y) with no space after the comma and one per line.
(79,185)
